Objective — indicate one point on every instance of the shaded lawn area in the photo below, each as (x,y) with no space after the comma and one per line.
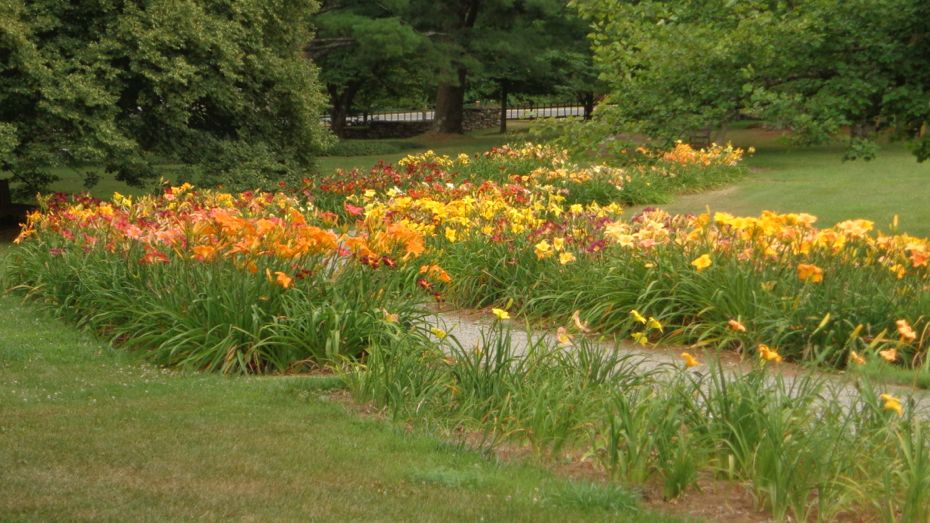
(87,432)
(471,143)
(817,181)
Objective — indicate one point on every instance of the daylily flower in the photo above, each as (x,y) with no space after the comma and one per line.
(641,338)
(768,354)
(905,330)
(810,272)
(690,361)
(889,355)
(279,278)
(653,323)
(501,314)
(542,249)
(580,325)
(637,316)
(390,316)
(854,357)
(702,262)
(439,333)
(892,403)
(735,325)
(563,337)
(353,210)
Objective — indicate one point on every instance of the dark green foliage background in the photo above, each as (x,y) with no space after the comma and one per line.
(219,88)
(816,67)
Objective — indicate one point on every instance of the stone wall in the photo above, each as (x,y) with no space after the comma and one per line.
(485,118)
(377,130)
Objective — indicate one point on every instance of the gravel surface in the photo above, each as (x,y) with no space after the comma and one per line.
(467,327)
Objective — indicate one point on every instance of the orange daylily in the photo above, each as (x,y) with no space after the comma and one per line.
(768,354)
(690,361)
(810,272)
(905,331)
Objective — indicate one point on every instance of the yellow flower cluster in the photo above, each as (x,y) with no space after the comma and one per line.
(684,154)
(430,158)
(530,151)
(488,210)
(777,237)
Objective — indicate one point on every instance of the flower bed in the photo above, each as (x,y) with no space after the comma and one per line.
(337,272)
(247,283)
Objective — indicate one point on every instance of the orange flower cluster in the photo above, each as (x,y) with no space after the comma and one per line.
(249,229)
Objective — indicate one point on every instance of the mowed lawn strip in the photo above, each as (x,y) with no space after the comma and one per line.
(88,432)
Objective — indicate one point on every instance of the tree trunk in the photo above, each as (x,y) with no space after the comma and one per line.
(503,128)
(587,100)
(450,106)
(341,106)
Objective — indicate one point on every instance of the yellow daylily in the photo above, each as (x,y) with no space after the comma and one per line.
(501,314)
(653,323)
(892,403)
(810,272)
(702,262)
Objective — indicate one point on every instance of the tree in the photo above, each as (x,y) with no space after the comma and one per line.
(814,66)
(365,49)
(220,85)
(534,48)
(392,48)
(515,43)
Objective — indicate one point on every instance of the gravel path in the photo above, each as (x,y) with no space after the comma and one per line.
(467,327)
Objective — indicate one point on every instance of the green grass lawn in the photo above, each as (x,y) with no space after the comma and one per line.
(471,143)
(70,180)
(817,181)
(87,432)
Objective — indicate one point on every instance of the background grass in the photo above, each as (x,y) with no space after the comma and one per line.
(817,181)
(87,432)
(70,180)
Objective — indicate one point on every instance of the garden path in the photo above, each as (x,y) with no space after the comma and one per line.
(467,327)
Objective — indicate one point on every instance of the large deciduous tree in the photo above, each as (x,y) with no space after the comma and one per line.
(815,66)
(392,48)
(534,48)
(364,50)
(220,86)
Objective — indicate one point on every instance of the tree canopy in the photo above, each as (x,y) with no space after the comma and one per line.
(221,87)
(366,50)
(403,46)
(818,67)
